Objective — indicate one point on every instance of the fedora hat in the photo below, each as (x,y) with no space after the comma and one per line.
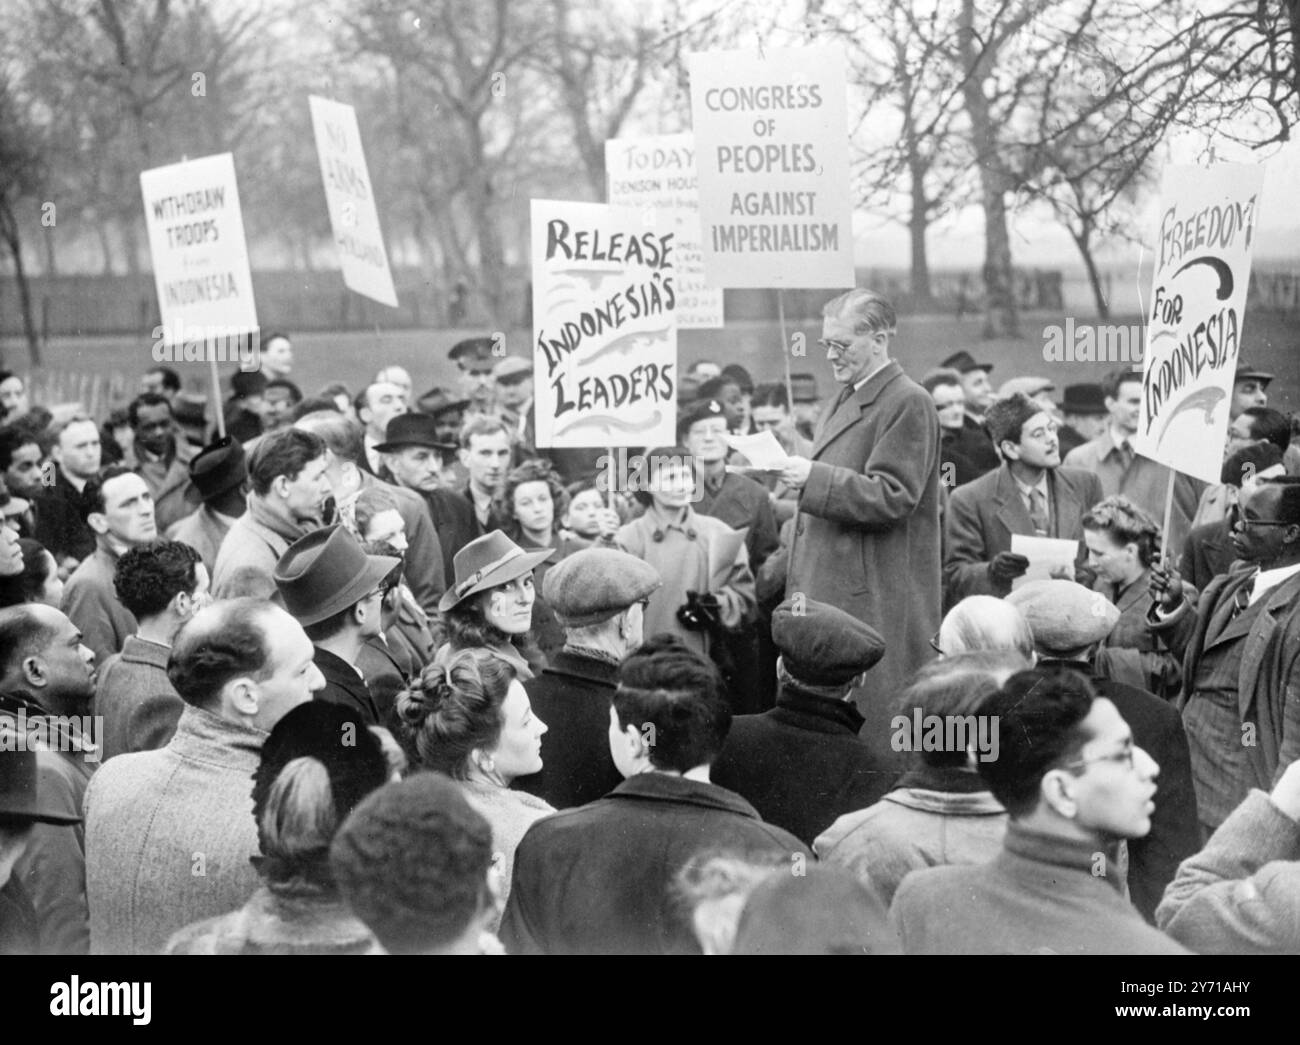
(1084,399)
(486,562)
(438,401)
(19,794)
(411,429)
(218,467)
(963,362)
(327,571)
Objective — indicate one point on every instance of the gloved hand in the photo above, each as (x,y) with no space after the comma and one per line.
(700,611)
(1006,567)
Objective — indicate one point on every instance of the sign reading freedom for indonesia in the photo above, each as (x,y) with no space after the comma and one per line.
(659,173)
(200,260)
(351,201)
(773,161)
(1204,244)
(604,326)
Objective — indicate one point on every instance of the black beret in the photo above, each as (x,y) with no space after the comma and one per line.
(822,645)
(700,410)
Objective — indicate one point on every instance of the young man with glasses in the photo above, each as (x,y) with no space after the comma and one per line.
(1240,646)
(1074,785)
(866,534)
(1030,495)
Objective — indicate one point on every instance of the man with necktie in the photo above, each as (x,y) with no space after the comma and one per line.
(1031,495)
(1240,646)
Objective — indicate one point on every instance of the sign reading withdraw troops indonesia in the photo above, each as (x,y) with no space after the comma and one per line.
(353,214)
(200,260)
(658,173)
(773,161)
(1205,238)
(604,326)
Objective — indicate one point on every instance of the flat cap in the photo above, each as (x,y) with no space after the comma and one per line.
(1246,372)
(594,584)
(473,351)
(822,645)
(1064,616)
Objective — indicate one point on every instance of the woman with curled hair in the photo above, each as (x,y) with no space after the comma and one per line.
(534,501)
(1123,541)
(470,718)
(319,761)
(489,602)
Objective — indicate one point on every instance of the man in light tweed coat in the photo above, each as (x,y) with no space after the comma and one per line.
(169,832)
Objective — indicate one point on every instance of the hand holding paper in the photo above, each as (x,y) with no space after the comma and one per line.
(1048,557)
(762,451)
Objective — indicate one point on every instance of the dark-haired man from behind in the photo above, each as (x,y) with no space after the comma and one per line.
(47,676)
(163,584)
(289,497)
(597,878)
(1240,646)
(118,508)
(801,764)
(218,472)
(1074,784)
(169,833)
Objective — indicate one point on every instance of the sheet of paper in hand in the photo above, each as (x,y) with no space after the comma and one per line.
(1045,554)
(761,450)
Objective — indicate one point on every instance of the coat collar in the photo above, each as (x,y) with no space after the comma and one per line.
(202,736)
(141,651)
(664,787)
(1073,855)
(568,664)
(818,714)
(851,409)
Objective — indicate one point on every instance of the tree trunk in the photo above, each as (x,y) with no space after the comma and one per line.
(1083,240)
(130,244)
(1001,316)
(917,224)
(9,231)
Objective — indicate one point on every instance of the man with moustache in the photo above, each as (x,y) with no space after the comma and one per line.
(118,508)
(1240,646)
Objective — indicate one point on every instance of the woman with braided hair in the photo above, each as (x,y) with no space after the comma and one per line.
(1123,541)
(469,717)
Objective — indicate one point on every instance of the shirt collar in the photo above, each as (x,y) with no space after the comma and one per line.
(1267,580)
(1040,486)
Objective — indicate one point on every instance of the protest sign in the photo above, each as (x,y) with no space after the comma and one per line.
(604,330)
(200,259)
(773,161)
(658,173)
(351,201)
(1204,244)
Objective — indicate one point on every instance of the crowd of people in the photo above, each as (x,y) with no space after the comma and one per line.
(371,672)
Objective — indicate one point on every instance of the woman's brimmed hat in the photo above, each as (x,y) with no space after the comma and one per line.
(484,563)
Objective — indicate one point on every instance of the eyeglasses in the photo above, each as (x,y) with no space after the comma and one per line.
(832,345)
(1262,522)
(1119,756)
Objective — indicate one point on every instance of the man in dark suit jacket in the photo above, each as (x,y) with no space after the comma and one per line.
(866,536)
(335,591)
(801,764)
(1240,646)
(1068,622)
(596,594)
(599,878)
(984,515)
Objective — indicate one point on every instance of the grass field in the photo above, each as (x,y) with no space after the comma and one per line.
(1270,341)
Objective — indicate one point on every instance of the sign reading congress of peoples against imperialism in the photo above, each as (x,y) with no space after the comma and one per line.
(1204,242)
(200,260)
(659,173)
(604,325)
(353,214)
(773,159)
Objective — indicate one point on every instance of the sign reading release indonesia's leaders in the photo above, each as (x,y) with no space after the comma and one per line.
(351,201)
(604,326)
(772,143)
(1204,244)
(200,260)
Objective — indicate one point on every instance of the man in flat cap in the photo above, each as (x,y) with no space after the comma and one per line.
(335,591)
(598,595)
(866,537)
(1068,623)
(801,764)
(512,380)
(1249,388)
(218,473)
(477,357)
(974,382)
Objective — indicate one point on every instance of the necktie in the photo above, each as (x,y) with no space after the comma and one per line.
(1126,453)
(1038,511)
(1241,600)
(845,392)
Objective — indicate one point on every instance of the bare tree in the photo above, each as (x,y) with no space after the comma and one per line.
(21,173)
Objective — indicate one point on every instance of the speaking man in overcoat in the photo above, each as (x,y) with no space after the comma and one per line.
(866,535)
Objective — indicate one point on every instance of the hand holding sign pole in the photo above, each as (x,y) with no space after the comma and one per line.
(1205,240)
